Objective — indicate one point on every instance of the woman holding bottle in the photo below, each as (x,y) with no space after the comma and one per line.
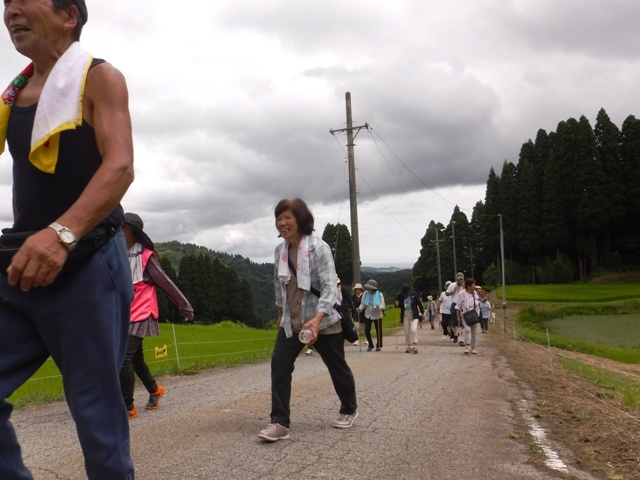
(305,284)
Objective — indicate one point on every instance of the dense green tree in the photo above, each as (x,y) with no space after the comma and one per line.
(508,201)
(528,224)
(591,214)
(425,270)
(630,151)
(608,139)
(565,148)
(542,150)
(554,230)
(476,245)
(167,311)
(629,241)
(464,235)
(339,239)
(490,221)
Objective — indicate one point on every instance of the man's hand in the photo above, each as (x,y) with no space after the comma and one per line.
(38,262)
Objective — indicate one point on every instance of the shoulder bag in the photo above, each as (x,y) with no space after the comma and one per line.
(471,317)
(349,331)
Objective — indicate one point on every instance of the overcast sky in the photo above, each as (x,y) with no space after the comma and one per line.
(232,103)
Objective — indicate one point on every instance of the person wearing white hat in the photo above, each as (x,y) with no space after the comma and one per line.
(431,311)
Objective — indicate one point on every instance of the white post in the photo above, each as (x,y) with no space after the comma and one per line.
(175,342)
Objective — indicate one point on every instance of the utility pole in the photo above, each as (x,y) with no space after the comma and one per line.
(353,201)
(453,234)
(438,257)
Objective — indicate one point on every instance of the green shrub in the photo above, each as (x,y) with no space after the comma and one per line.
(558,270)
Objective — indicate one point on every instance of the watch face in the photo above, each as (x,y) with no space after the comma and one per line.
(67,237)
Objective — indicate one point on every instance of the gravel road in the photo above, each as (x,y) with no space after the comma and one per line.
(436,415)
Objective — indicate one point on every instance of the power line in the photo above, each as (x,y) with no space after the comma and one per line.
(410,171)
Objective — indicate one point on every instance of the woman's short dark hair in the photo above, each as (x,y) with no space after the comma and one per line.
(300,210)
(83,14)
(468,282)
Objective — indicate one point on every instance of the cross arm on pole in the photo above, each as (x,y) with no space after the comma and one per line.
(358,128)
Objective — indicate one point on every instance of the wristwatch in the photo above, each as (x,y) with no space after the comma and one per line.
(65,236)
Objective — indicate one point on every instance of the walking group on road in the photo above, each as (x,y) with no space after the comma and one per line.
(455,301)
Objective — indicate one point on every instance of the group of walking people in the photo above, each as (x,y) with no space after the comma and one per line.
(456,301)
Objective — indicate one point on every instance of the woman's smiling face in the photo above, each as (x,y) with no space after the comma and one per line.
(287,226)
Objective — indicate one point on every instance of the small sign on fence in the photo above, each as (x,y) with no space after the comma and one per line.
(161,351)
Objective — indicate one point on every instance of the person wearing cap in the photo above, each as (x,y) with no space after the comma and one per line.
(444,307)
(146,275)
(373,307)
(411,310)
(454,290)
(66,121)
(358,316)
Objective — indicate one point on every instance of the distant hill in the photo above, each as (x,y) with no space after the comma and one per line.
(259,275)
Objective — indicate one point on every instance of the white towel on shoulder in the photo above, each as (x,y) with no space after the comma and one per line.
(303,268)
(59,106)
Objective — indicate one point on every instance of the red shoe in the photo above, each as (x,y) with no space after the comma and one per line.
(154,398)
(133,413)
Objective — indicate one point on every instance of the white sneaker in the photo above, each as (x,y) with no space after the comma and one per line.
(357,343)
(409,349)
(345,420)
(466,351)
(274,432)
(414,349)
(444,337)
(308,352)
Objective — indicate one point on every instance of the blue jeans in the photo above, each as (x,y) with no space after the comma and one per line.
(285,352)
(82,322)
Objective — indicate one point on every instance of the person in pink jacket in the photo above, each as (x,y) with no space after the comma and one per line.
(146,274)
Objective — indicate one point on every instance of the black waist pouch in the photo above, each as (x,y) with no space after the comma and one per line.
(10,243)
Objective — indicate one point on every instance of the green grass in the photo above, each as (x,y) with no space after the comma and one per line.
(614,330)
(195,348)
(597,319)
(591,335)
(617,382)
(198,347)
(574,292)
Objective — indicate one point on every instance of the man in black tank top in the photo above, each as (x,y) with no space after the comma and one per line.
(64,187)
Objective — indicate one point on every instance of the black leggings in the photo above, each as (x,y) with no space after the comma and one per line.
(367,331)
(134,364)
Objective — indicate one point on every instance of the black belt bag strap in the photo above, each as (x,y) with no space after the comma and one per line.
(11,242)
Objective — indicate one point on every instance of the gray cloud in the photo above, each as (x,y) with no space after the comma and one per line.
(232,103)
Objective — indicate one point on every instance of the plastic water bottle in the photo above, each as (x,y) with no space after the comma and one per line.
(305,335)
